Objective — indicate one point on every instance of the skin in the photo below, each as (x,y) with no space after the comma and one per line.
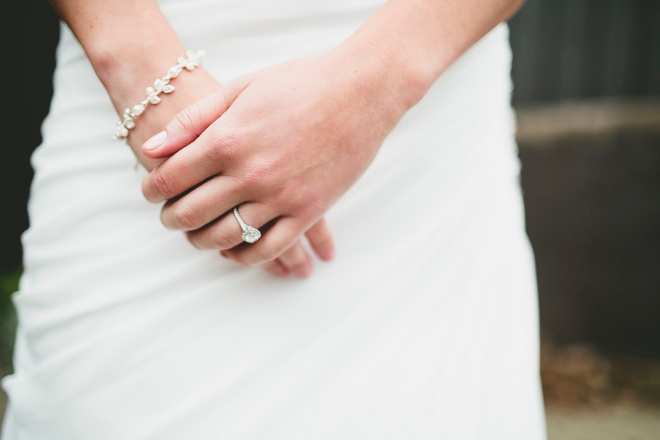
(108,32)
(286,142)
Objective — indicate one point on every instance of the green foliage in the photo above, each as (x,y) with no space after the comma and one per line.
(8,285)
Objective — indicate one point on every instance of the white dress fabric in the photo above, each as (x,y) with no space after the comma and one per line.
(424,327)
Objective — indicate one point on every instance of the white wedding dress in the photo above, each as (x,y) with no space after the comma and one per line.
(424,327)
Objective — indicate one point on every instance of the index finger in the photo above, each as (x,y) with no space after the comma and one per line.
(188,167)
(194,163)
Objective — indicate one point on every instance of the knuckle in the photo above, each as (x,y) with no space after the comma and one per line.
(239,183)
(229,139)
(189,118)
(308,206)
(298,265)
(260,175)
(163,184)
(222,241)
(266,253)
(187,218)
(224,144)
(315,204)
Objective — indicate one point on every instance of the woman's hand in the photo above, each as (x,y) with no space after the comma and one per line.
(297,135)
(129,49)
(190,88)
(284,144)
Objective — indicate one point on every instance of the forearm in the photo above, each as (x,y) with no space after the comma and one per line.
(130,44)
(416,40)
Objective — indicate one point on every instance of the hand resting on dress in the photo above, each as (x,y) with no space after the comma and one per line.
(286,142)
(283,143)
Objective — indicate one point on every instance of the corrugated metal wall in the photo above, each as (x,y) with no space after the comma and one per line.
(574,49)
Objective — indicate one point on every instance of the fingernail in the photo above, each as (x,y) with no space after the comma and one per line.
(155,141)
(224,254)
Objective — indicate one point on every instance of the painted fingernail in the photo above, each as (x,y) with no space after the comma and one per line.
(155,141)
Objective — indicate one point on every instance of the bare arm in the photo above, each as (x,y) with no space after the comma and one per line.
(418,39)
(130,44)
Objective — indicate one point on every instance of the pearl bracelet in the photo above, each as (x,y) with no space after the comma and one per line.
(162,85)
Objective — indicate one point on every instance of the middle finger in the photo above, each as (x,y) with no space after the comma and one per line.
(188,167)
(203,204)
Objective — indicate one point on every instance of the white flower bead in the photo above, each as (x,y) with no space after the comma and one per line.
(161,85)
(174,71)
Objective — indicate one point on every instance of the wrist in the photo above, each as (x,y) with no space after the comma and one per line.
(127,50)
(381,67)
(190,87)
(125,74)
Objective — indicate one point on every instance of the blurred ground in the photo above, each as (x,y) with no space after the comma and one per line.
(604,424)
(590,396)
(578,376)
(8,284)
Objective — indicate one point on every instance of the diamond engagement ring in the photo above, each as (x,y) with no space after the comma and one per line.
(250,234)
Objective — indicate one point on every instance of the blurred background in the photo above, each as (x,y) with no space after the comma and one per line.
(587,94)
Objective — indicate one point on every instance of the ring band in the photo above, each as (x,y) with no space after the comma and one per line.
(250,234)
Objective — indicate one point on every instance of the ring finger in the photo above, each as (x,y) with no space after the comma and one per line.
(226,233)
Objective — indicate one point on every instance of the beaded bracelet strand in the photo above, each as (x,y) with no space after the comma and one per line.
(162,85)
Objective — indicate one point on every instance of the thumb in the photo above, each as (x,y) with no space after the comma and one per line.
(191,122)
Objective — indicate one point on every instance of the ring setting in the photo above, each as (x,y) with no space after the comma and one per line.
(250,234)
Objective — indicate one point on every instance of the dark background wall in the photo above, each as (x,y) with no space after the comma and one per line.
(593,215)
(35,39)
(575,49)
(593,201)
(593,204)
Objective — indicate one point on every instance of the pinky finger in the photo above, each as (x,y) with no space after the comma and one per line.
(320,238)
(296,261)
